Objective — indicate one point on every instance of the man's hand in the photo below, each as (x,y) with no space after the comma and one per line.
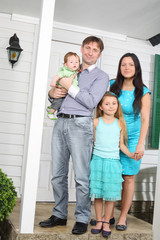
(66,82)
(57,92)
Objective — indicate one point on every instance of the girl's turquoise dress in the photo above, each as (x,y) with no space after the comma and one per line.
(126,98)
(105,167)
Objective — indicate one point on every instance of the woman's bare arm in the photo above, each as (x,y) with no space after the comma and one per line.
(145,113)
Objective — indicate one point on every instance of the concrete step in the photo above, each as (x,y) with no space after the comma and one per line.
(136,230)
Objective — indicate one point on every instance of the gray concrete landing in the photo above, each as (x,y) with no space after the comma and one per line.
(137,229)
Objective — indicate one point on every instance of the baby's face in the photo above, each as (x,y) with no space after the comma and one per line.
(72,63)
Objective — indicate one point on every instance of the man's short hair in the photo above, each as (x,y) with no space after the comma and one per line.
(93,39)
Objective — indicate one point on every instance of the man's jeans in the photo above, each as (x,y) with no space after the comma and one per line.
(72,137)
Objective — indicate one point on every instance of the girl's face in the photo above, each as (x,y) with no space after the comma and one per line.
(72,63)
(109,105)
(127,68)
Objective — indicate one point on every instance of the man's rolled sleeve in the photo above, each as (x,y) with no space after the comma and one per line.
(73,91)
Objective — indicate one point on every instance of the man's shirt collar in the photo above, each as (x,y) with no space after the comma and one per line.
(90,68)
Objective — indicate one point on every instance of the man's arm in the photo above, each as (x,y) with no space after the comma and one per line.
(90,98)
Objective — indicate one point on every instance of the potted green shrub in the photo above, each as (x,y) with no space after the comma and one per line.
(8,196)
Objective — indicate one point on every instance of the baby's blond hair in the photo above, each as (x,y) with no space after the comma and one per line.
(69,54)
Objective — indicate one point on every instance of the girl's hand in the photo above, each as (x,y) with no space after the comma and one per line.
(132,155)
(139,151)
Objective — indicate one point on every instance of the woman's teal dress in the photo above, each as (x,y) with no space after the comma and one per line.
(126,98)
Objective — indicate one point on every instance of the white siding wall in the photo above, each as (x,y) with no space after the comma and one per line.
(14,93)
(16,87)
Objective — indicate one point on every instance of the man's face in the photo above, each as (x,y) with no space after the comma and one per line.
(90,53)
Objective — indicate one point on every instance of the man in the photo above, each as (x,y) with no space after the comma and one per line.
(73,135)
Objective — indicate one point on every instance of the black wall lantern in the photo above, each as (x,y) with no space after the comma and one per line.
(14,50)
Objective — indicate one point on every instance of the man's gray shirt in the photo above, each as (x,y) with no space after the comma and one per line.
(93,84)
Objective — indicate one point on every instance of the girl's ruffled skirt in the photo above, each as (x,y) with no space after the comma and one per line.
(105,178)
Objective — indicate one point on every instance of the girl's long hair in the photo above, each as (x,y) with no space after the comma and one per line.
(137,82)
(118,114)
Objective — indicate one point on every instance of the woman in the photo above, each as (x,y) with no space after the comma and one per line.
(134,97)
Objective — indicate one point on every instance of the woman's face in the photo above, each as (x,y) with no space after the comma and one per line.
(127,68)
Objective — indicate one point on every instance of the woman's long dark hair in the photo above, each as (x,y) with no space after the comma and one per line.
(137,82)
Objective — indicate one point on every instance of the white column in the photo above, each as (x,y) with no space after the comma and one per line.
(156,219)
(28,204)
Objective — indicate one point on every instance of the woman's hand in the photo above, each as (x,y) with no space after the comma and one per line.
(57,92)
(139,151)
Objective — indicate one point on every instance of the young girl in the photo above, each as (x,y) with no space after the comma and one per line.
(106,170)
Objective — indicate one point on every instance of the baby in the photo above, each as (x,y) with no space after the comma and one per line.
(71,66)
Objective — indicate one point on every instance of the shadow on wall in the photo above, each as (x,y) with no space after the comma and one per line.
(143,206)
(143,203)
(145,183)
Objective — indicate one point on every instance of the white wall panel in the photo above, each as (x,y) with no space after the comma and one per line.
(12,128)
(14,92)
(13,96)
(22,35)
(13,86)
(11,149)
(10,160)
(12,171)
(17,118)
(7,23)
(12,107)
(13,75)
(11,139)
